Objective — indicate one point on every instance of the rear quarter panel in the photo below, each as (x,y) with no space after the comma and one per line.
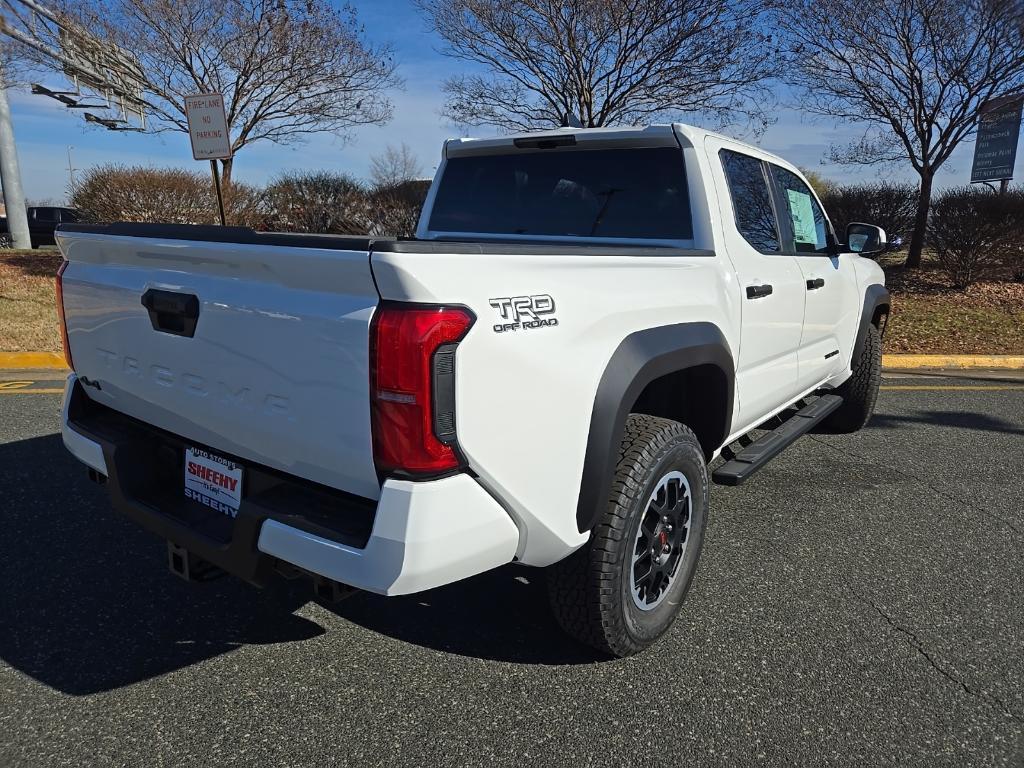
(525,397)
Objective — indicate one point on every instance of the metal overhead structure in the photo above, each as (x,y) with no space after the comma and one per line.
(102,75)
(99,76)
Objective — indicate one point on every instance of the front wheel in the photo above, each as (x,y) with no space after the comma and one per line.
(860,391)
(623,589)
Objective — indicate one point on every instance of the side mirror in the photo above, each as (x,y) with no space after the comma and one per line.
(865,239)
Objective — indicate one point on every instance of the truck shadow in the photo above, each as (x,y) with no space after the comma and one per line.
(87,603)
(501,615)
(976,422)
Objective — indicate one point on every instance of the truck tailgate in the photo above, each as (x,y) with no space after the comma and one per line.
(277,369)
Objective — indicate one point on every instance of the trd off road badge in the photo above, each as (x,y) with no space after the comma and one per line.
(524,312)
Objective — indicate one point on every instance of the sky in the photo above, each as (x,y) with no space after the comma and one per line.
(45,129)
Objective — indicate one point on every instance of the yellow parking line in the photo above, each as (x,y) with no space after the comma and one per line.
(31,391)
(957,388)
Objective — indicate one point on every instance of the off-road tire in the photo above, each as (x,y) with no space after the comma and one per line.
(591,591)
(860,391)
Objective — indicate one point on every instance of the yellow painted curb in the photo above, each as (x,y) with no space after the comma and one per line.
(35,360)
(1005,362)
(55,361)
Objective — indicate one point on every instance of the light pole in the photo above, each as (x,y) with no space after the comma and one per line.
(71,172)
(10,175)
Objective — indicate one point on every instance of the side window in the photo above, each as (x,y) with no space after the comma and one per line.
(46,214)
(808,221)
(751,200)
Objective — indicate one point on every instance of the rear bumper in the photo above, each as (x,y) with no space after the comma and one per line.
(417,536)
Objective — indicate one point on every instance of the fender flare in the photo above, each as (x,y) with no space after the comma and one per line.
(639,359)
(874,297)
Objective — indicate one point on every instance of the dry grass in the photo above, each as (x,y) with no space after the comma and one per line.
(958,323)
(28,313)
(930,316)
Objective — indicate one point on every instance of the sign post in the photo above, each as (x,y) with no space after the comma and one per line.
(208,130)
(995,149)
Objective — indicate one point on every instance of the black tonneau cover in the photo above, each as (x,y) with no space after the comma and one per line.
(208,233)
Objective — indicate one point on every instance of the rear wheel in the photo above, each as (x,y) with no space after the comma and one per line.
(860,391)
(623,589)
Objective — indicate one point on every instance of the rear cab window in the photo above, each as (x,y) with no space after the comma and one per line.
(751,201)
(623,194)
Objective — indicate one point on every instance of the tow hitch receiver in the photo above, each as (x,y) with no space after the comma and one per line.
(330,591)
(189,567)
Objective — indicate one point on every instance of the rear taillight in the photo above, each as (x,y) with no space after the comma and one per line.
(412,387)
(60,315)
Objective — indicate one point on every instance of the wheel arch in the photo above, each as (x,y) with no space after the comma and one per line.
(876,307)
(653,371)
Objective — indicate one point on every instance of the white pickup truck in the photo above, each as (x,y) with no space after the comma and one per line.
(585,320)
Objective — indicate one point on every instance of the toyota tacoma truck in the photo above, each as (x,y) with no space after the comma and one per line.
(585,321)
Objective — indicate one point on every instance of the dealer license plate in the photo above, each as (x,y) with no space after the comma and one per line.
(213,480)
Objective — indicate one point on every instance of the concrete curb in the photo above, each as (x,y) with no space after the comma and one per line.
(32,360)
(55,361)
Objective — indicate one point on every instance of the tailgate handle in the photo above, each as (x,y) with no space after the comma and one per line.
(171,312)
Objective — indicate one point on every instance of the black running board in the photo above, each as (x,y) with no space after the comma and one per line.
(757,454)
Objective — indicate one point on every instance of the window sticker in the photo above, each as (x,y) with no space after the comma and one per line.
(802,214)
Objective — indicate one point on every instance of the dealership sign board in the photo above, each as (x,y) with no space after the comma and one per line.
(996,147)
(208,126)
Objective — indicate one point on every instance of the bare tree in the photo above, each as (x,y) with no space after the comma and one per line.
(912,73)
(287,68)
(393,166)
(606,61)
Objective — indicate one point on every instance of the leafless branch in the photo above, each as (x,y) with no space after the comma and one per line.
(287,68)
(606,61)
(913,73)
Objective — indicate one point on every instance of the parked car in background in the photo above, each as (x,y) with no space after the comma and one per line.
(42,221)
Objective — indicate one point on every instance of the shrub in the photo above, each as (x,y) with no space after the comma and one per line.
(975,231)
(1013,257)
(889,206)
(244,206)
(109,193)
(316,201)
(394,209)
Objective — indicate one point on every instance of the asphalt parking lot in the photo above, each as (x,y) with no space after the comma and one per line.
(860,602)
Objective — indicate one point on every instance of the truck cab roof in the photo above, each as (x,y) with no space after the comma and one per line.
(653,135)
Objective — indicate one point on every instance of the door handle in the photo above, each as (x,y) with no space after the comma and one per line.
(816,283)
(758,291)
(172,312)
